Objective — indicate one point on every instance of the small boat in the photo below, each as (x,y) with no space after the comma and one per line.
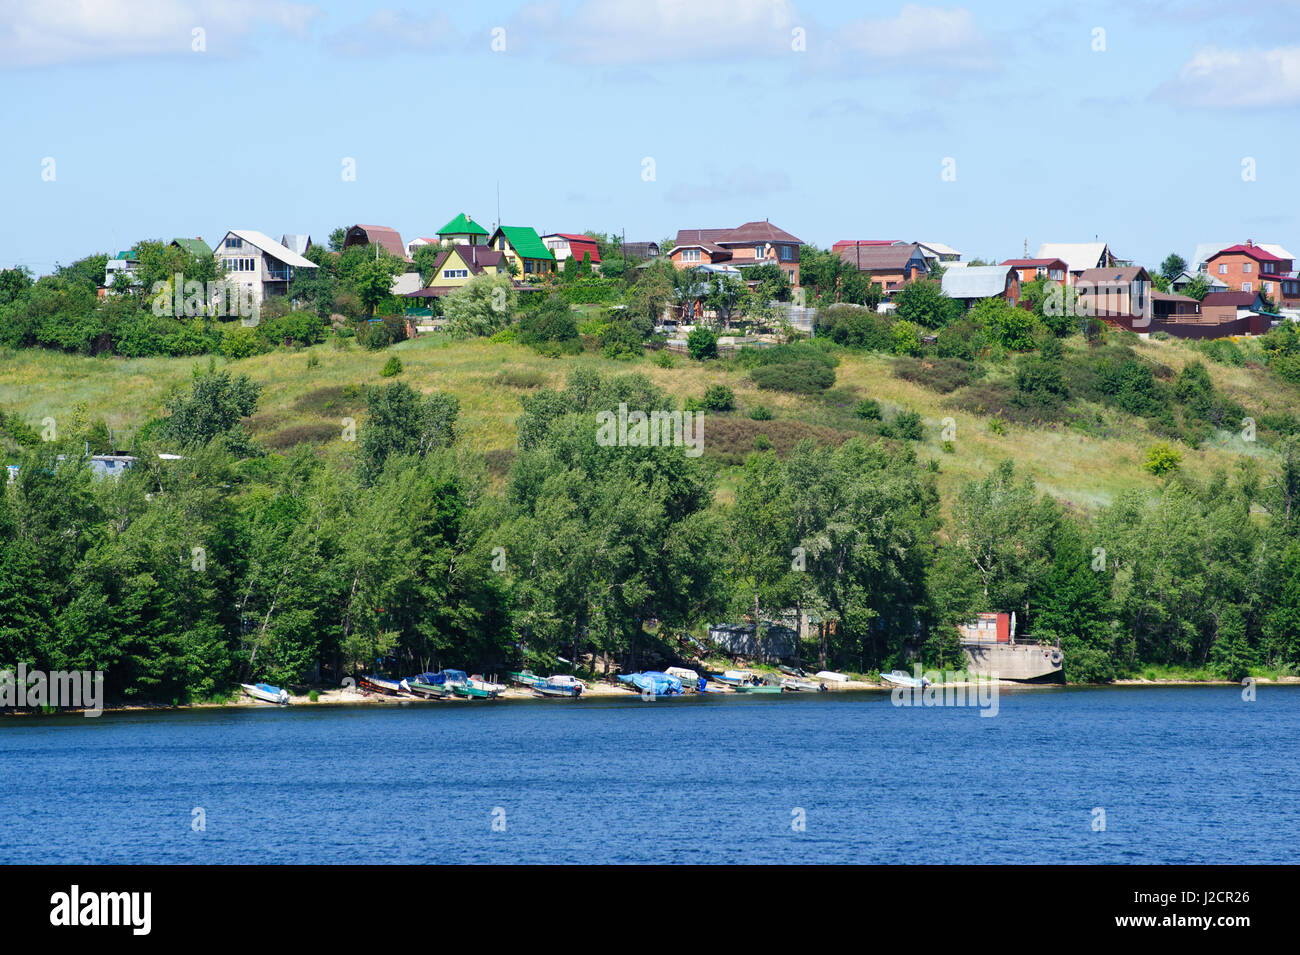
(899,678)
(479,682)
(526,678)
(794,685)
(791,671)
(688,677)
(461,685)
(830,676)
(732,677)
(379,684)
(757,685)
(654,683)
(560,685)
(267,693)
(430,685)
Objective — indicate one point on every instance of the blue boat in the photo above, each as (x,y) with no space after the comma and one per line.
(654,683)
(428,684)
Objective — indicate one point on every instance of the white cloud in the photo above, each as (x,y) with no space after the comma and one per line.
(49,32)
(390,31)
(927,36)
(1233,79)
(657,31)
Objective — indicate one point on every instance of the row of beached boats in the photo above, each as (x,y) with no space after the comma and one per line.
(675,681)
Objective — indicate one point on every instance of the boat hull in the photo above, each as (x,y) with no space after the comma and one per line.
(268,694)
(1013,661)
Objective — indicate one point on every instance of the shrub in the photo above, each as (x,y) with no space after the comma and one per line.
(906,426)
(905,338)
(854,326)
(760,413)
(521,378)
(1162,458)
(943,375)
(664,359)
(241,341)
(702,344)
(392,368)
(718,398)
(800,377)
(762,443)
(868,409)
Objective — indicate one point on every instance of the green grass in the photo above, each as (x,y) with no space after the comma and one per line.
(1085,464)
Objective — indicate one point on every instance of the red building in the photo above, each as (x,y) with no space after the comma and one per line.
(1249,268)
(1030,269)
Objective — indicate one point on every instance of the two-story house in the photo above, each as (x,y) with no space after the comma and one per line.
(1077,256)
(1117,291)
(259,263)
(890,266)
(748,245)
(463,230)
(1252,268)
(1027,270)
(390,240)
(527,256)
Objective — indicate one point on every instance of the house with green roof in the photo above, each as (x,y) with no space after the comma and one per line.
(195,247)
(462,230)
(524,249)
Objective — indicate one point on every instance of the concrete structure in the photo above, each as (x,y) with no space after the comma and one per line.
(991,649)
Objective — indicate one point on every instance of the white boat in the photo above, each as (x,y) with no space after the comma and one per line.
(831,676)
(688,677)
(478,683)
(565,679)
(267,693)
(793,683)
(900,678)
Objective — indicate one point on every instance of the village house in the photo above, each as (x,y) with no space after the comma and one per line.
(526,255)
(1184,279)
(974,283)
(257,262)
(571,245)
(455,265)
(195,247)
(1027,270)
(462,230)
(890,266)
(1078,256)
(939,254)
(1116,291)
(641,250)
(754,243)
(1252,268)
(390,240)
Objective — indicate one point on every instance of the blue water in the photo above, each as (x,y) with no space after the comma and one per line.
(1185,775)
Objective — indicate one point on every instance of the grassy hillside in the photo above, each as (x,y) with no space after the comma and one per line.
(305,399)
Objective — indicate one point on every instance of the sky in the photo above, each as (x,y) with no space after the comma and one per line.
(986,126)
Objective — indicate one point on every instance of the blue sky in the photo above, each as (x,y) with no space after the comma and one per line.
(831,119)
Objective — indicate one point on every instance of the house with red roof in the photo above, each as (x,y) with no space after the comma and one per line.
(571,245)
(1054,270)
(388,239)
(1248,267)
(748,245)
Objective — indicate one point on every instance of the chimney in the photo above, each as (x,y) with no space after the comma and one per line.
(1250,243)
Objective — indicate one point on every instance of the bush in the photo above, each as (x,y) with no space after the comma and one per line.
(943,375)
(241,341)
(854,327)
(718,398)
(868,409)
(762,443)
(702,344)
(799,377)
(392,368)
(907,426)
(760,413)
(1162,458)
(664,359)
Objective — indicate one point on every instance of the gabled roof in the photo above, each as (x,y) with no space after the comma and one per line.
(195,246)
(1077,256)
(701,239)
(1275,249)
(641,250)
(525,241)
(462,225)
(843,244)
(889,258)
(1258,253)
(299,242)
(268,245)
(977,281)
(1207,250)
(476,257)
(756,231)
(1114,275)
(938,248)
(1033,263)
(381,235)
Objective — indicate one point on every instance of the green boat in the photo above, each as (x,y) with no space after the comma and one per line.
(758,688)
(526,678)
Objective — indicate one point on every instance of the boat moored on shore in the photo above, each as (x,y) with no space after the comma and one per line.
(266,693)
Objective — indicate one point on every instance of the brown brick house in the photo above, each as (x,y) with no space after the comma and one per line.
(754,243)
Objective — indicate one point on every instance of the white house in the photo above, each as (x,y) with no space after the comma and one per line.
(258,263)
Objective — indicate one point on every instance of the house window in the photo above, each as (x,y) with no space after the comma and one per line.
(1058,275)
(786,253)
(1269,267)
(234,242)
(690,255)
(455,273)
(1268,287)
(1223,268)
(1245,287)
(1245,268)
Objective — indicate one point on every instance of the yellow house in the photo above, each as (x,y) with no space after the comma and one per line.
(524,249)
(457,264)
